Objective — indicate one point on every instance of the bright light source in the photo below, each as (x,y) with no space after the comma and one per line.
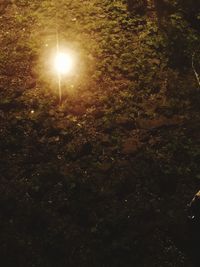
(64,63)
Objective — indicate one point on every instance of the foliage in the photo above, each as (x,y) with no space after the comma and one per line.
(72,194)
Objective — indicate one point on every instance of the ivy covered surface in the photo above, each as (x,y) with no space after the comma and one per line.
(103,178)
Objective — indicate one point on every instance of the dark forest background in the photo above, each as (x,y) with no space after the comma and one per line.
(103,178)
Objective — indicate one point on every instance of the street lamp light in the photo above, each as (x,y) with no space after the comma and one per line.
(64,64)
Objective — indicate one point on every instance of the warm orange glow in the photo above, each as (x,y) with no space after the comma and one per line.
(64,63)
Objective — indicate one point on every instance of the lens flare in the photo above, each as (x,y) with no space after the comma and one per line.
(64,63)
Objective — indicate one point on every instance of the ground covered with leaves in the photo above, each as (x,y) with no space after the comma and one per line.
(103,178)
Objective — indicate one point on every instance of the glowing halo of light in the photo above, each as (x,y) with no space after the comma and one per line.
(64,63)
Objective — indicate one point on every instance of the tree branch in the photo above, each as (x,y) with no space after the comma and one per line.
(194,70)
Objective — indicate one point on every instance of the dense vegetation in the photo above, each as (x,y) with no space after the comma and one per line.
(103,178)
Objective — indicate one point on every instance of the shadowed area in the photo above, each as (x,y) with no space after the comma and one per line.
(102,176)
